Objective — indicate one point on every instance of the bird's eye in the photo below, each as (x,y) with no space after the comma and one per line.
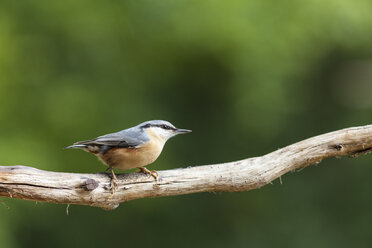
(164,127)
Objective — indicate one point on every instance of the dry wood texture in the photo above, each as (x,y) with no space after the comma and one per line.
(93,189)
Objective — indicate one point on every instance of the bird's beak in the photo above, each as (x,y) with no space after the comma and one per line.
(181,131)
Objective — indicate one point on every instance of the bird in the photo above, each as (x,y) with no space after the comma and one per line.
(130,148)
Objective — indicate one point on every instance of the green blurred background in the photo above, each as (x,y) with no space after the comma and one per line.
(247,77)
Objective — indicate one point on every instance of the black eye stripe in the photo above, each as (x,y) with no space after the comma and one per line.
(163,126)
(146,126)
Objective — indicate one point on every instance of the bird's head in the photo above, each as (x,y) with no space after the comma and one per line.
(162,129)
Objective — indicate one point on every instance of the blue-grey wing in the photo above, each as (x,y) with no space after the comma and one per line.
(125,138)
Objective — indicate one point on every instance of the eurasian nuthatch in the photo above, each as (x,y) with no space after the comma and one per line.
(134,147)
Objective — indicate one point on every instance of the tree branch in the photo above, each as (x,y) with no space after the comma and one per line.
(93,189)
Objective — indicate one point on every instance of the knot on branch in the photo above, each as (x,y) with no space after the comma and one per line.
(338,147)
(90,184)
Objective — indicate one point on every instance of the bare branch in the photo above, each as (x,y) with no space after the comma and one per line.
(93,189)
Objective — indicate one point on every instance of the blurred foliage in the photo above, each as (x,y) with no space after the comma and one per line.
(247,77)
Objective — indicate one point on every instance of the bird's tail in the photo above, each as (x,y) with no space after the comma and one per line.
(75,146)
(80,144)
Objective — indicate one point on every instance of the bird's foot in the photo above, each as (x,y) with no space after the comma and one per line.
(113,182)
(152,173)
(113,186)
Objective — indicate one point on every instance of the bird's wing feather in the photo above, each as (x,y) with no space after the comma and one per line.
(125,138)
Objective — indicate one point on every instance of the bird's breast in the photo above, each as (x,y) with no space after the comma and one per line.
(128,158)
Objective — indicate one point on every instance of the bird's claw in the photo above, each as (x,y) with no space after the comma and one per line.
(152,173)
(113,182)
(113,186)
